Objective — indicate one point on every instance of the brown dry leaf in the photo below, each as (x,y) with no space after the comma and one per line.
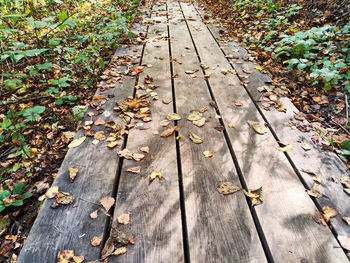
(138,156)
(52,192)
(76,142)
(231,125)
(314,192)
(95,241)
(99,121)
(144,149)
(199,123)
(319,220)
(207,154)
(132,240)
(317,179)
(90,114)
(73,172)
(299,116)
(238,103)
(94,214)
(107,202)
(204,109)
(164,123)
(257,127)
(154,175)
(168,132)
(124,219)
(345,180)
(125,153)
(225,187)
(165,101)
(119,251)
(100,135)
(195,138)
(224,71)
(135,170)
(344,241)
(328,213)
(64,256)
(64,198)
(255,196)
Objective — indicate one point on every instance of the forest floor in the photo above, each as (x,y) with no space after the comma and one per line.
(49,75)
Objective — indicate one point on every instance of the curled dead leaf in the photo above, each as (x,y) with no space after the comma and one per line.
(257,127)
(73,172)
(76,142)
(286,148)
(94,214)
(154,175)
(195,138)
(314,192)
(168,132)
(64,198)
(135,170)
(328,213)
(52,192)
(173,117)
(207,154)
(255,196)
(119,251)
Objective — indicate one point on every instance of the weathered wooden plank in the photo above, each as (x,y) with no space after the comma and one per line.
(154,208)
(70,227)
(326,163)
(220,228)
(286,214)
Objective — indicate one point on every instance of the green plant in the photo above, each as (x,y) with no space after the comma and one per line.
(14,198)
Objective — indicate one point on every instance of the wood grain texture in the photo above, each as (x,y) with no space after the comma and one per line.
(326,163)
(154,208)
(286,214)
(220,228)
(70,227)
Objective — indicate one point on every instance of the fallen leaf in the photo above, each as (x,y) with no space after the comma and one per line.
(173,117)
(78,259)
(112,144)
(132,240)
(69,134)
(99,121)
(119,251)
(125,153)
(319,220)
(224,71)
(144,149)
(154,175)
(73,172)
(347,190)
(76,142)
(306,146)
(107,202)
(255,196)
(314,192)
(257,127)
(100,135)
(164,123)
(52,192)
(195,138)
(317,179)
(94,214)
(165,101)
(195,116)
(124,219)
(168,132)
(64,198)
(199,123)
(258,67)
(207,154)
(286,148)
(238,103)
(64,256)
(344,241)
(328,213)
(135,170)
(191,71)
(225,187)
(345,180)
(95,241)
(231,125)
(138,156)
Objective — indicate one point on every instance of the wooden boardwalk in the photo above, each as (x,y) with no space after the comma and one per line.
(182,217)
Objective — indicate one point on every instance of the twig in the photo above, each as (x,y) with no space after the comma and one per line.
(23,100)
(89,201)
(2,155)
(341,126)
(347,110)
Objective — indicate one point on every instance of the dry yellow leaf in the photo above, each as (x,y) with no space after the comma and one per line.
(207,154)
(257,127)
(73,172)
(154,175)
(328,213)
(112,144)
(52,192)
(77,142)
(119,251)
